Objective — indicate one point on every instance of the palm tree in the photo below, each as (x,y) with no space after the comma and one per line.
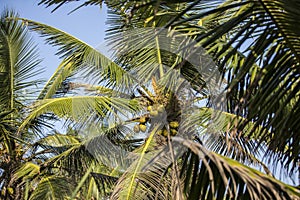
(19,64)
(180,157)
(19,94)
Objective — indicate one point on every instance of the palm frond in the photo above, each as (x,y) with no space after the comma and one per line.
(266,95)
(104,182)
(77,157)
(218,177)
(218,132)
(76,108)
(19,63)
(285,18)
(60,3)
(63,71)
(80,56)
(254,44)
(129,178)
(27,171)
(53,187)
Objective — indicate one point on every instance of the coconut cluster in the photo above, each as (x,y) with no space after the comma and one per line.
(154,111)
(173,129)
(142,124)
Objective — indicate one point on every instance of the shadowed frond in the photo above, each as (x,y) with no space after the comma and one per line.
(265,33)
(53,187)
(218,132)
(104,182)
(218,177)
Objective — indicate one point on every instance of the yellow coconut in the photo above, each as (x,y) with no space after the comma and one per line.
(143,120)
(154,113)
(159,132)
(173,132)
(143,127)
(174,124)
(160,108)
(165,133)
(10,190)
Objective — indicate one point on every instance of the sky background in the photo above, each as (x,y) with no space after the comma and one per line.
(87,24)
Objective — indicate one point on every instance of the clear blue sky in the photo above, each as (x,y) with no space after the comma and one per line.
(87,24)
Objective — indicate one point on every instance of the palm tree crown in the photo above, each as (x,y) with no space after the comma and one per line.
(194,95)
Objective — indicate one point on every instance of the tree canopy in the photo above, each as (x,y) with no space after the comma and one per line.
(194,100)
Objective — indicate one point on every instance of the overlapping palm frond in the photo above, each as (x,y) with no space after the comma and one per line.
(251,46)
(76,108)
(54,187)
(134,32)
(63,71)
(263,84)
(203,175)
(143,46)
(234,180)
(226,31)
(79,156)
(80,56)
(49,3)
(104,182)
(19,64)
(219,135)
(266,95)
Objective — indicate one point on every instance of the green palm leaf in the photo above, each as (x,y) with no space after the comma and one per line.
(53,187)
(61,2)
(267,95)
(254,44)
(18,58)
(76,108)
(19,65)
(218,177)
(63,71)
(80,56)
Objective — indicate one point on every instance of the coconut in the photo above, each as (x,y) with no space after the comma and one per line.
(143,127)
(154,113)
(10,190)
(149,108)
(165,133)
(159,132)
(160,108)
(143,120)
(136,128)
(173,132)
(174,124)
